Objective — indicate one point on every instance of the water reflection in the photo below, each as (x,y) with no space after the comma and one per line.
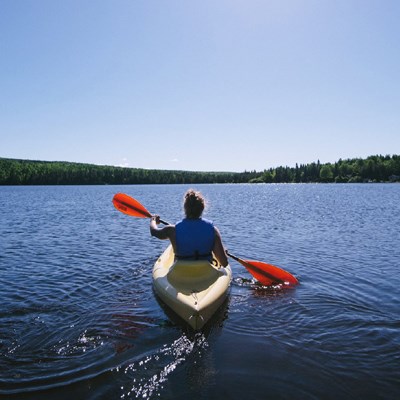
(149,375)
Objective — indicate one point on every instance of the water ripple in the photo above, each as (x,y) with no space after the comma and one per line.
(79,318)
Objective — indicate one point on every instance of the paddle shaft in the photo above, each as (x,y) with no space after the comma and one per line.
(132,207)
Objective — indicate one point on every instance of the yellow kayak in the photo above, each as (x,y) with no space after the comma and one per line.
(193,289)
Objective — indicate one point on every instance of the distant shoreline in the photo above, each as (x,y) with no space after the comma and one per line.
(16,172)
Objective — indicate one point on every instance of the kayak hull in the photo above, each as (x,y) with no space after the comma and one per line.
(193,289)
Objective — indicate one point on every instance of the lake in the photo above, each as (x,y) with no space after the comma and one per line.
(79,318)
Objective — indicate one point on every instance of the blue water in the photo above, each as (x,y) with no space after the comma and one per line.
(79,319)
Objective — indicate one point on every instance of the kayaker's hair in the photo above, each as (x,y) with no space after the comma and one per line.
(194,204)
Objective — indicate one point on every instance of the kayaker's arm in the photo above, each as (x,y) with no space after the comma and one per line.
(166,232)
(219,249)
(159,233)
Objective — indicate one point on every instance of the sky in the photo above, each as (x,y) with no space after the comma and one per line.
(199,85)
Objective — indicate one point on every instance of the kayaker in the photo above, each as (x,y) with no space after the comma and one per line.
(193,237)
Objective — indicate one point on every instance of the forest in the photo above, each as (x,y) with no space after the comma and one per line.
(376,168)
(26,172)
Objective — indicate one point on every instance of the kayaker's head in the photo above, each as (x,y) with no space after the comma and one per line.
(194,204)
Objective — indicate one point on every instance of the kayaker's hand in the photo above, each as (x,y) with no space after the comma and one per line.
(156,219)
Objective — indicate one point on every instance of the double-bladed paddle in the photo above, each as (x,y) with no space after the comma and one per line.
(266,274)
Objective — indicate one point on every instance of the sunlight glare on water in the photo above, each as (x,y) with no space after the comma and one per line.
(169,356)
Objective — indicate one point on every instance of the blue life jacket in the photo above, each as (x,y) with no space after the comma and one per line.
(194,238)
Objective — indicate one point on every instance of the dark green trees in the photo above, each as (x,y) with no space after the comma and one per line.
(25,172)
(372,169)
(376,168)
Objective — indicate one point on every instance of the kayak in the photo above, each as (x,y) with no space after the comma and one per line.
(193,289)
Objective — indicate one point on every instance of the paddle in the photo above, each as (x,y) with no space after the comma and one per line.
(266,274)
(130,206)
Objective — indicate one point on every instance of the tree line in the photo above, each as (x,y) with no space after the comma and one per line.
(376,168)
(26,172)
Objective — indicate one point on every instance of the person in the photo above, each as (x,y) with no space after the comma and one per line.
(193,237)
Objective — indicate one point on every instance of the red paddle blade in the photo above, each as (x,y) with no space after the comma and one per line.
(268,274)
(130,206)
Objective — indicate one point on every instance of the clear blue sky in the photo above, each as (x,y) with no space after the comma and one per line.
(227,85)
